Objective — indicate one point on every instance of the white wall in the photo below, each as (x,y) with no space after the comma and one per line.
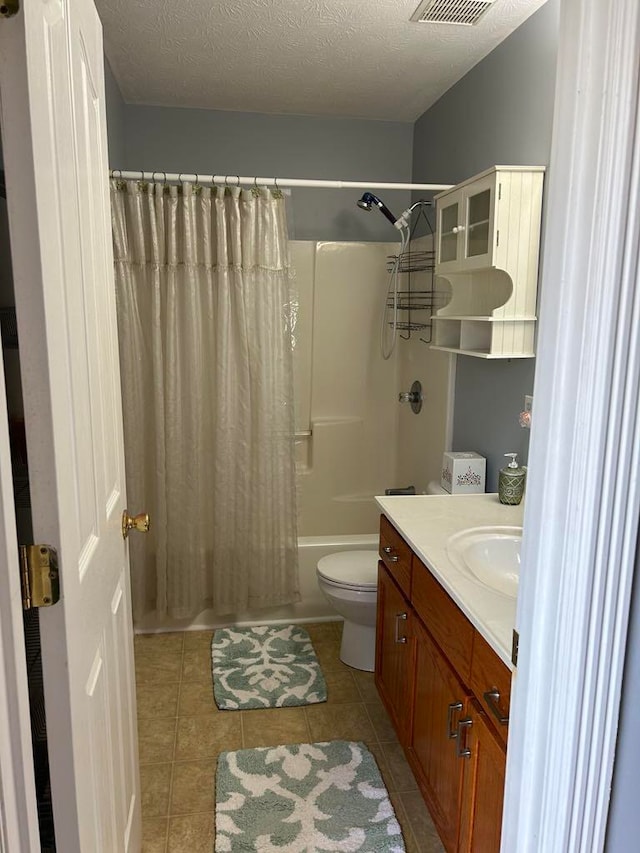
(423,438)
(362,439)
(345,389)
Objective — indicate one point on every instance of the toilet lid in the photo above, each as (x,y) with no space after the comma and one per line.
(350,568)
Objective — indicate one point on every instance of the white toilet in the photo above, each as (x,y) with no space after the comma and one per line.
(349,580)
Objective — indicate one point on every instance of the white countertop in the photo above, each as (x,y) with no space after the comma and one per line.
(426,522)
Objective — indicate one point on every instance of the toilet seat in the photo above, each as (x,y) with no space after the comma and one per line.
(350,569)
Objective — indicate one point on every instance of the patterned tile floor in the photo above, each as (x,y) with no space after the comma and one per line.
(181,732)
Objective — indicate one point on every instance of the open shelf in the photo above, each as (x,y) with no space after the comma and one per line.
(488,337)
(479,354)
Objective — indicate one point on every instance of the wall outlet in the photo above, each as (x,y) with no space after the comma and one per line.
(528,403)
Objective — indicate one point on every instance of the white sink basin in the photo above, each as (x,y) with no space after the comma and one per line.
(490,556)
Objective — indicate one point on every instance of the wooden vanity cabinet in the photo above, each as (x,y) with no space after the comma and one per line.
(395,652)
(446,692)
(483,784)
(440,701)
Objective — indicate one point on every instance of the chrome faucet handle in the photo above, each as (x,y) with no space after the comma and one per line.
(414,397)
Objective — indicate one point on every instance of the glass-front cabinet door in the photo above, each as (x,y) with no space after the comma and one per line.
(449,229)
(479,205)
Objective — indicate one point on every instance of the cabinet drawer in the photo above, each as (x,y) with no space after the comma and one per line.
(396,555)
(448,626)
(491,683)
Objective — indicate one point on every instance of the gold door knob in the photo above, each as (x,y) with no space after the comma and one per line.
(135,522)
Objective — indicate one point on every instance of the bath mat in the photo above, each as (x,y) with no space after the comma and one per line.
(265,667)
(305,798)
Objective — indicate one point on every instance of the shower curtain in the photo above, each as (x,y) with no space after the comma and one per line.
(206,362)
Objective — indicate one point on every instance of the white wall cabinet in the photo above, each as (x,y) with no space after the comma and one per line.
(487,246)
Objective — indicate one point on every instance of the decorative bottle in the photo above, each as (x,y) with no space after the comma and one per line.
(511,482)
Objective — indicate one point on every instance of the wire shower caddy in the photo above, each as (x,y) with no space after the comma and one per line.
(413,299)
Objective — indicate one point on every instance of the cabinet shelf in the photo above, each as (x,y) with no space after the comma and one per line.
(483,318)
(483,354)
(487,243)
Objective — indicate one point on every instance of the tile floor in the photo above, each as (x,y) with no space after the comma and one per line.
(181,732)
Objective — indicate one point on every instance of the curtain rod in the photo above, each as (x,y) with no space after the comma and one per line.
(239,180)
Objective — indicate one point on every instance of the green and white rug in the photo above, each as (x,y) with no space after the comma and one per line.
(265,667)
(305,798)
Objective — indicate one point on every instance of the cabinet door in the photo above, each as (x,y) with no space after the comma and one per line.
(394,652)
(440,701)
(483,786)
(478,240)
(449,230)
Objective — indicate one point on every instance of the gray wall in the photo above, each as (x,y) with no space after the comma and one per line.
(499,113)
(213,141)
(115,118)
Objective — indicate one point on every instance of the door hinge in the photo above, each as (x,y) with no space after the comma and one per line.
(39,575)
(9,8)
(515,646)
(499,191)
(497,238)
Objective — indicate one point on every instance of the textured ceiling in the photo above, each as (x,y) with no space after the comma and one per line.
(315,57)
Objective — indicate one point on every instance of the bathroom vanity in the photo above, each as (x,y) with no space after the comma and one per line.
(443,659)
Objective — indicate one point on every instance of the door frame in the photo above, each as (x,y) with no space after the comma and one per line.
(18,815)
(583,496)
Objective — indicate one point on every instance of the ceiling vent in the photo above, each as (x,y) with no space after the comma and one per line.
(464,12)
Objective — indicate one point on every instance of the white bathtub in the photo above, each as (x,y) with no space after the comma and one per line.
(312,607)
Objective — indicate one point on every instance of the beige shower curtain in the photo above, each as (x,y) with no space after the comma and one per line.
(205,347)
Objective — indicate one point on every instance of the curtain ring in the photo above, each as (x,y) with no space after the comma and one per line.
(164,179)
(238,177)
(275,181)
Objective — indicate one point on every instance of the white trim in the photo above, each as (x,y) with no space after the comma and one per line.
(583,501)
(18,816)
(18,811)
(239,180)
(451,399)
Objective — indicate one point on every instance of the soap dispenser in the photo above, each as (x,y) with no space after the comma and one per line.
(511,482)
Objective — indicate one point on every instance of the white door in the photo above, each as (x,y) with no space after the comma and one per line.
(54,141)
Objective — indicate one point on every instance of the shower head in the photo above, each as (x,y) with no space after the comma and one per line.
(366,201)
(369,199)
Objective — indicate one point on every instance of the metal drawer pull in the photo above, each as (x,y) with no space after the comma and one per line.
(388,550)
(492,697)
(398,638)
(453,707)
(463,751)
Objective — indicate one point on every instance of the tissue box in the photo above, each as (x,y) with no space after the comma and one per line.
(463,473)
